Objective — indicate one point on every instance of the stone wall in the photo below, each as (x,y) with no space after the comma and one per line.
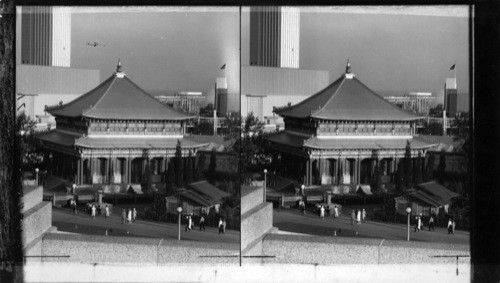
(141,251)
(300,249)
(256,222)
(37,220)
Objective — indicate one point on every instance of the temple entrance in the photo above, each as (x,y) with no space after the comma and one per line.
(137,170)
(366,171)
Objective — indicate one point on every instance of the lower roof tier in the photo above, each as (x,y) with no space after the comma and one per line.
(348,143)
(67,139)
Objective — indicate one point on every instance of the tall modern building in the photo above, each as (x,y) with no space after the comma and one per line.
(46,36)
(221,96)
(451,97)
(43,58)
(275,37)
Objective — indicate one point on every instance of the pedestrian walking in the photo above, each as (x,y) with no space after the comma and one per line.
(202,223)
(106,210)
(321,212)
(353,217)
(363,215)
(73,191)
(188,223)
(336,212)
(134,215)
(453,226)
(450,226)
(221,227)
(431,223)
(420,222)
(358,218)
(124,216)
(302,206)
(129,216)
(416,224)
(92,211)
(99,209)
(224,226)
(73,205)
(303,190)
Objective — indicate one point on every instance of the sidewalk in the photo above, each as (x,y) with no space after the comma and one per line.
(66,221)
(292,220)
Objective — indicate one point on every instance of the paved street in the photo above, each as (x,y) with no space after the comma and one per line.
(65,220)
(292,221)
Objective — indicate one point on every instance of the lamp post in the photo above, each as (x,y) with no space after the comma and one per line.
(408,211)
(265,184)
(179,210)
(36,173)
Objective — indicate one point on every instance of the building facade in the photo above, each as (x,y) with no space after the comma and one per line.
(340,134)
(46,36)
(263,88)
(417,102)
(275,37)
(115,134)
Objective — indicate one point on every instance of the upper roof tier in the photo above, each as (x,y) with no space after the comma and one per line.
(118,98)
(347,98)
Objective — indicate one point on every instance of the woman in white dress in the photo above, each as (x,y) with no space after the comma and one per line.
(129,216)
(358,217)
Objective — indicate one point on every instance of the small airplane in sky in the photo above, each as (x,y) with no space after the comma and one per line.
(95,44)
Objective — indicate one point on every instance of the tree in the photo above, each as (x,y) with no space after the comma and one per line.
(432,128)
(30,151)
(399,181)
(429,169)
(212,166)
(202,128)
(170,178)
(418,170)
(254,154)
(200,167)
(441,167)
(11,247)
(407,167)
(178,165)
(188,177)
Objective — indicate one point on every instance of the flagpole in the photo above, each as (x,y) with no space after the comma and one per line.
(455,69)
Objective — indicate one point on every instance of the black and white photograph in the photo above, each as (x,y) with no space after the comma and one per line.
(356,135)
(243,143)
(129,120)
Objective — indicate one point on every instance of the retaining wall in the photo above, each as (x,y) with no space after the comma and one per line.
(140,251)
(300,249)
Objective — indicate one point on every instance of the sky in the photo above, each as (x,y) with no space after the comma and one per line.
(392,50)
(163,50)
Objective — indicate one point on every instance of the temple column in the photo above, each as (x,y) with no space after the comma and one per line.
(128,163)
(78,172)
(105,178)
(358,170)
(308,172)
(92,169)
(336,172)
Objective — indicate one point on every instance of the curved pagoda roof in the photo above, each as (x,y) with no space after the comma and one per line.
(118,98)
(347,98)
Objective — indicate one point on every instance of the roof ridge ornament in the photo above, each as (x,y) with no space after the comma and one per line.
(119,72)
(348,74)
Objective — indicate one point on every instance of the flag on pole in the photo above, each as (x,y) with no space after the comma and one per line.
(452,67)
(223,66)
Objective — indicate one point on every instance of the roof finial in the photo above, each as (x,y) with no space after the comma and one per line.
(348,67)
(119,66)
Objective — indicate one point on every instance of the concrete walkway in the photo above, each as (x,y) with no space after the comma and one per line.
(82,223)
(292,220)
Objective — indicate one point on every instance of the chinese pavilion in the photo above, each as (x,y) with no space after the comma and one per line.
(338,135)
(115,134)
